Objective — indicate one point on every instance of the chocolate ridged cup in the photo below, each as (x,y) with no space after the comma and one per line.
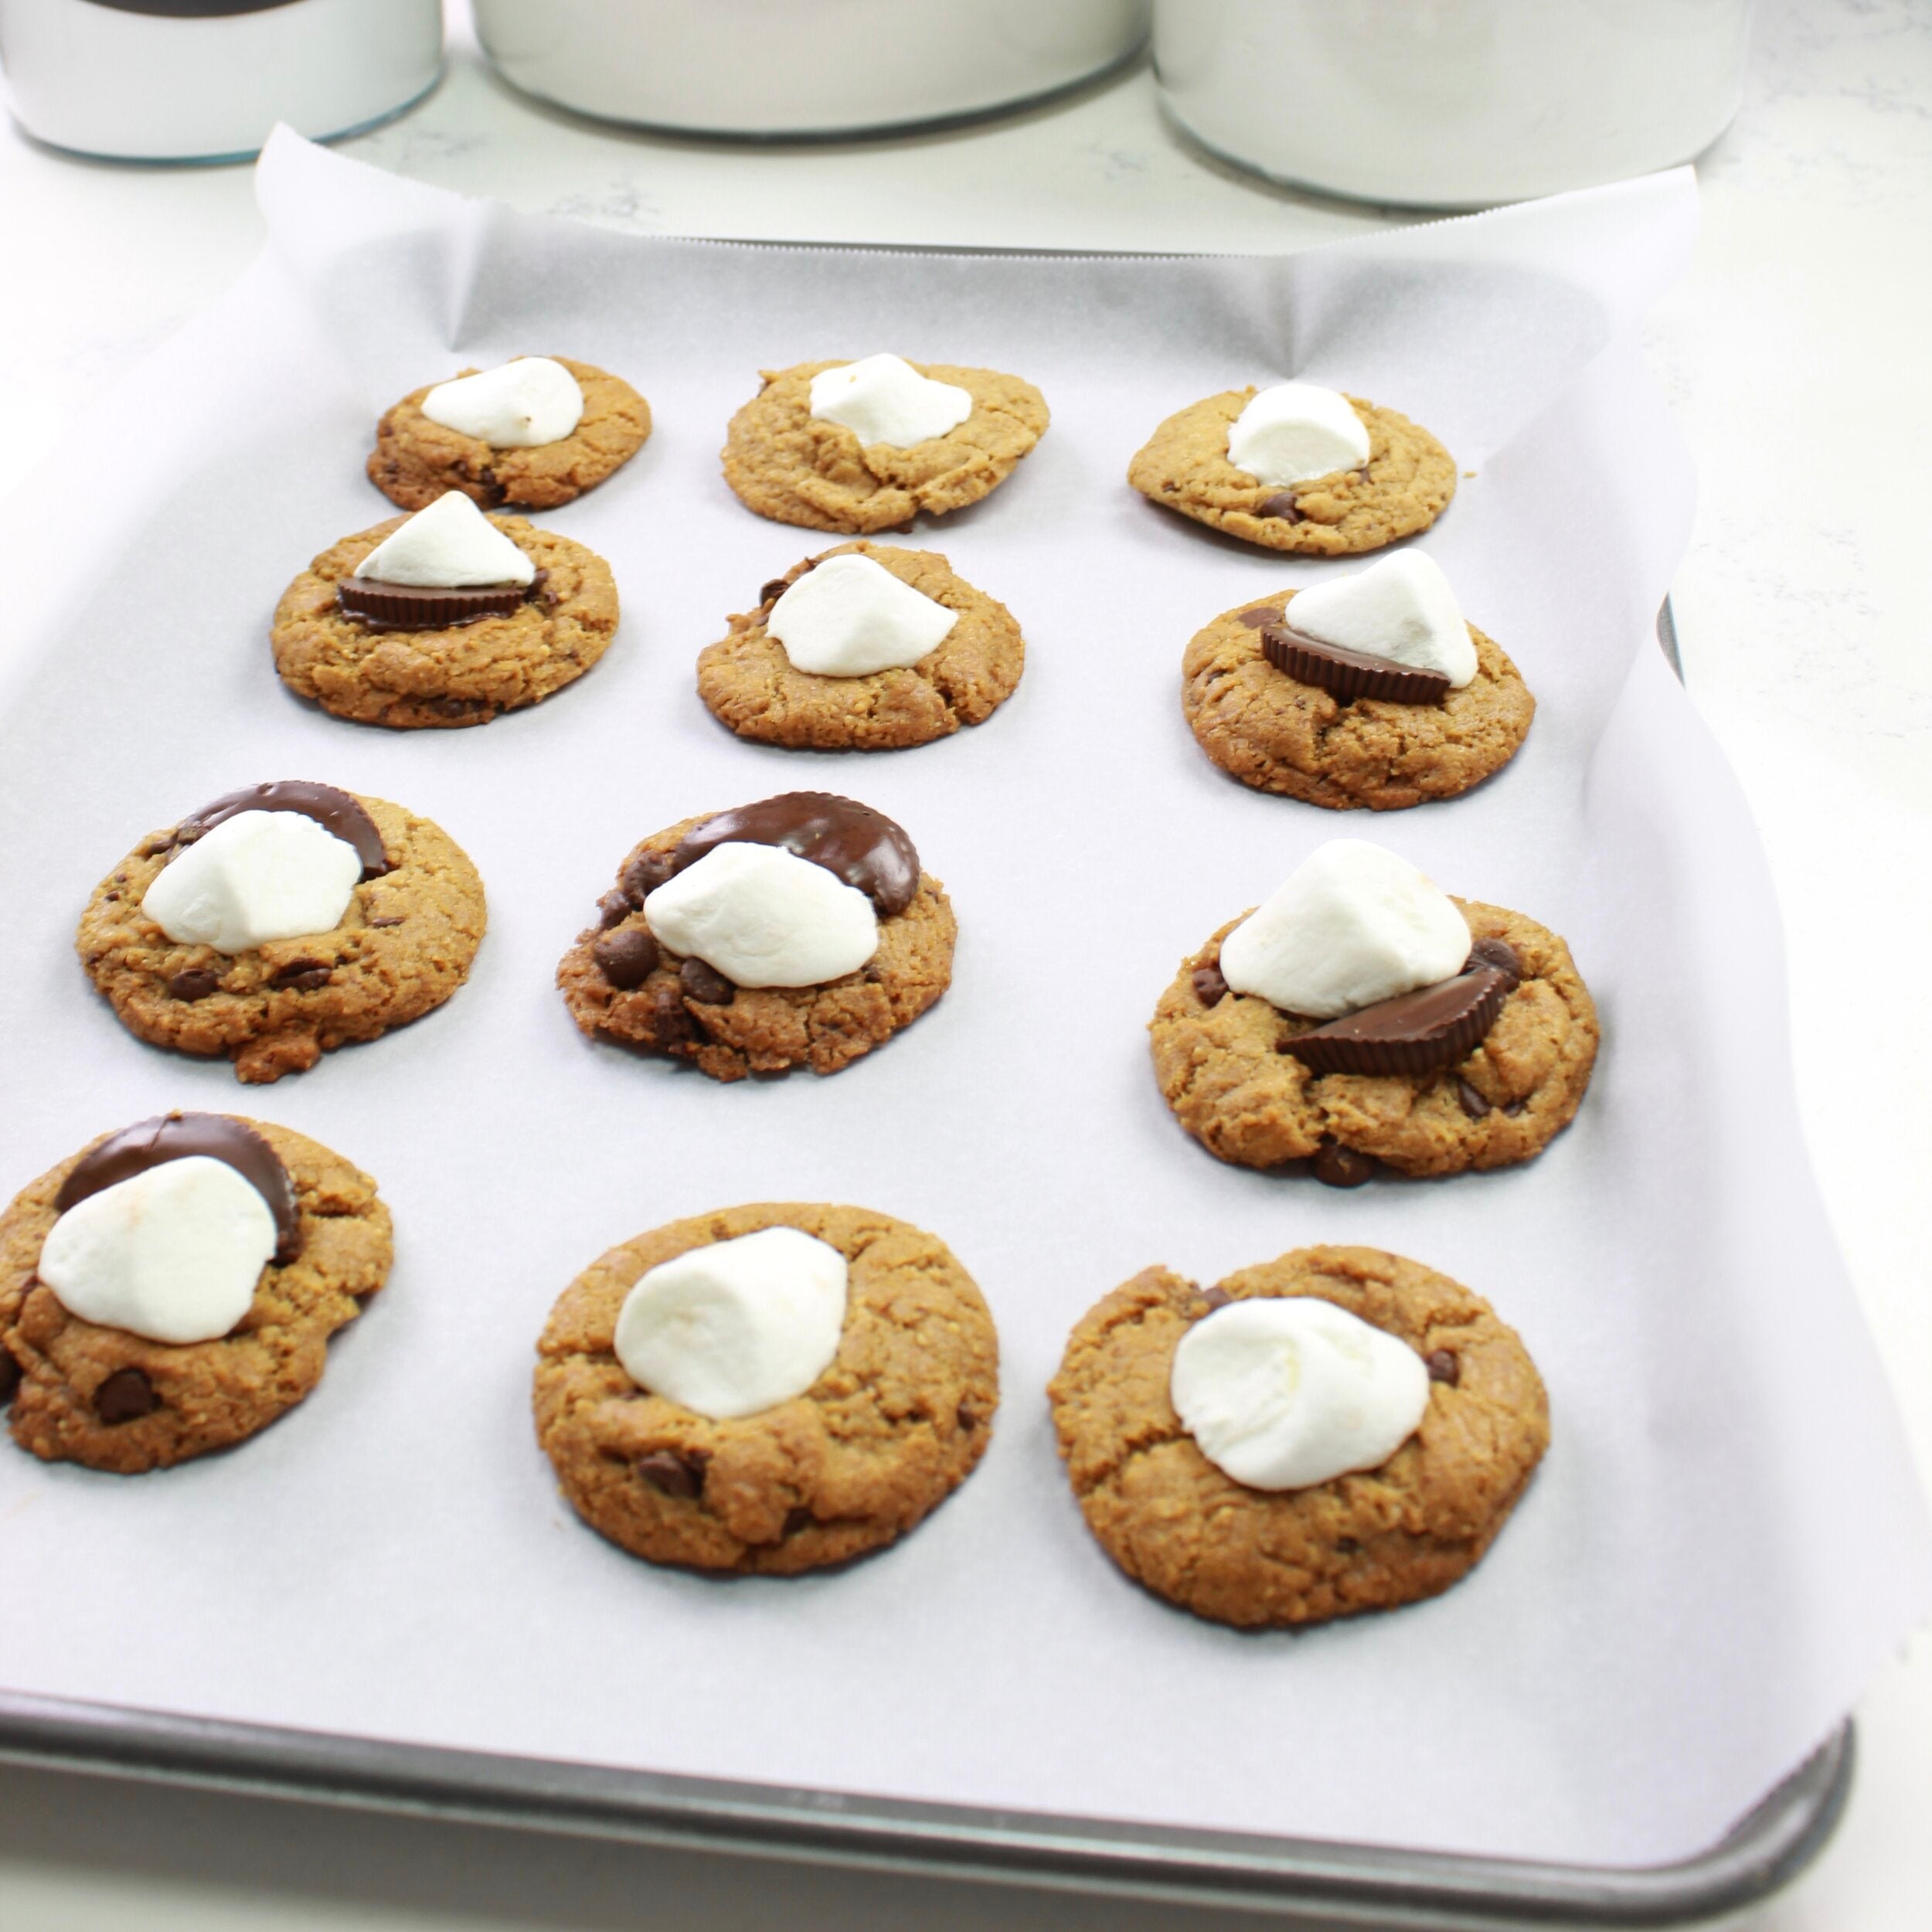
(420,606)
(338,813)
(1417,1032)
(862,847)
(174,1136)
(1349,674)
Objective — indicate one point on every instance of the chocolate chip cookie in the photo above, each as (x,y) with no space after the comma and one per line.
(1368,1541)
(1403,487)
(885,1434)
(787,465)
(1223,1063)
(752,688)
(416,460)
(455,674)
(1278,734)
(404,946)
(621,985)
(117,1402)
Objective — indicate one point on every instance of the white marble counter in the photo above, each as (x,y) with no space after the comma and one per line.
(1794,355)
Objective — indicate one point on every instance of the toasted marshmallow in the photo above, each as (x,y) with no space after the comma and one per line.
(1402,609)
(172,1254)
(448,546)
(257,876)
(1295,432)
(882,399)
(738,1326)
(1285,1392)
(1352,924)
(849,616)
(516,406)
(763,918)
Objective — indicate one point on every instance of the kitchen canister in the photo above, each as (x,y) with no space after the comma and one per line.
(206,79)
(1451,103)
(783,69)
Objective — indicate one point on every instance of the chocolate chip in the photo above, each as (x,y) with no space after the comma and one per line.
(1499,954)
(967,1417)
(301,975)
(797,1520)
(1512,1108)
(1473,1103)
(771,592)
(1346,1547)
(196,983)
(626,958)
(387,919)
(1338,1166)
(705,984)
(643,876)
(9,1377)
(1210,988)
(1444,1365)
(1282,505)
(613,908)
(671,1025)
(1262,614)
(125,1396)
(1216,1297)
(675,1473)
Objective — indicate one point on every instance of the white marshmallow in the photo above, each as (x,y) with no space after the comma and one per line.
(446,547)
(1287,1391)
(763,918)
(172,1254)
(1401,608)
(257,876)
(1352,924)
(850,615)
(516,406)
(882,398)
(1295,432)
(737,1327)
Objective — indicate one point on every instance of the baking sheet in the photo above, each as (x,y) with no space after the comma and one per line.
(1725,1537)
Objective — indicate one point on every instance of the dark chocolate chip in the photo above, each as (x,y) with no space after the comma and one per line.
(1349,674)
(1512,1108)
(126,1396)
(1282,505)
(1346,1547)
(967,1417)
(1444,1365)
(9,1377)
(863,848)
(387,919)
(1338,1166)
(197,982)
(643,876)
(1261,616)
(613,908)
(338,813)
(626,958)
(1473,1103)
(1216,1297)
(1413,1033)
(705,984)
(797,1520)
(771,592)
(301,975)
(1210,988)
(673,1473)
(671,1025)
(1499,954)
(381,606)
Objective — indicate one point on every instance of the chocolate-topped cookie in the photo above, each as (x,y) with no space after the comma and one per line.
(280,922)
(172,1289)
(798,931)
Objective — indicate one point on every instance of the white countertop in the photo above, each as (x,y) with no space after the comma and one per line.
(1794,357)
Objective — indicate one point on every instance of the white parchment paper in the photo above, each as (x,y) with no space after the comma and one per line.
(1724,1538)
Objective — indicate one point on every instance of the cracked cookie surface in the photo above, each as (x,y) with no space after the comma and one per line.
(1277,734)
(464,674)
(894,1424)
(203,1395)
(1410,478)
(1222,1064)
(403,946)
(415,460)
(750,685)
(787,465)
(1369,1540)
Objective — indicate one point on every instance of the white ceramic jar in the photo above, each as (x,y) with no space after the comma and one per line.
(206,79)
(1452,104)
(785,68)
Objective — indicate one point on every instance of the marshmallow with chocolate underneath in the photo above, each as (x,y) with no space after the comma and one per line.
(451,545)
(1401,608)
(1295,432)
(763,918)
(848,616)
(257,876)
(520,405)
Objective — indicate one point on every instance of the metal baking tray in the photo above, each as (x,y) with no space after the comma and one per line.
(1339,1884)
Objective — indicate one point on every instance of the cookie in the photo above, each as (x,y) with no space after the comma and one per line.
(894,1425)
(1409,480)
(415,460)
(793,467)
(1177,1523)
(111,1400)
(1277,734)
(462,674)
(750,685)
(621,985)
(404,947)
(1222,1064)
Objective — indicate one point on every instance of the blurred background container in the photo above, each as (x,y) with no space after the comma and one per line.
(780,68)
(1451,103)
(206,79)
